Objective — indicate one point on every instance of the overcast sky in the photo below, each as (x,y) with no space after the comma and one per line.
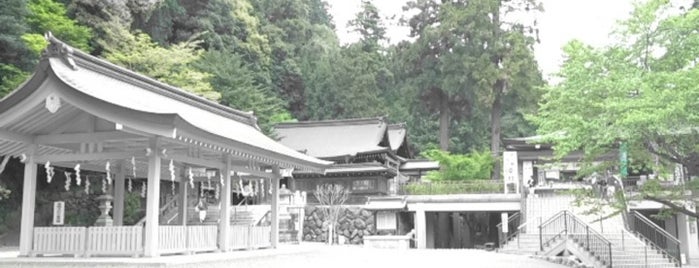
(563,20)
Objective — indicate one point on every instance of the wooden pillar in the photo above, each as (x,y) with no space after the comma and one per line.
(184,187)
(275,206)
(152,200)
(420,228)
(225,221)
(119,194)
(28,202)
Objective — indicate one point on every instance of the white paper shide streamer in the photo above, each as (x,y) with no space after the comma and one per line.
(67,186)
(171,168)
(49,171)
(108,167)
(87,185)
(77,174)
(143,189)
(190,176)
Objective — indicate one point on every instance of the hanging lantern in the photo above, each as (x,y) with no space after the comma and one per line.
(87,185)
(108,167)
(143,189)
(77,174)
(67,186)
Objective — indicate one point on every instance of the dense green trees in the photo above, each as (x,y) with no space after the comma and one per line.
(282,60)
(639,93)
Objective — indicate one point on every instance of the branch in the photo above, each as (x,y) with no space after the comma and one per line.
(672,206)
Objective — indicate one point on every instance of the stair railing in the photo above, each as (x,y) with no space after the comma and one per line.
(655,236)
(565,225)
(169,205)
(512,228)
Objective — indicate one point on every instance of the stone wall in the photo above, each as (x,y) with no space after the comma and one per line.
(353,224)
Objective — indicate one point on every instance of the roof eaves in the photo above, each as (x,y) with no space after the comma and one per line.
(335,122)
(58,48)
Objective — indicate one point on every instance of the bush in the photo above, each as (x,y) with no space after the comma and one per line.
(454,187)
(454,167)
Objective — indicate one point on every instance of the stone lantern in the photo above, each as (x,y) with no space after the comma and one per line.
(105,206)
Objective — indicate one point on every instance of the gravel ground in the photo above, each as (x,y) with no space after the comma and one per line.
(305,255)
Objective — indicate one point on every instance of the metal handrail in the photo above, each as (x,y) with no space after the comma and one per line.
(504,238)
(656,236)
(567,226)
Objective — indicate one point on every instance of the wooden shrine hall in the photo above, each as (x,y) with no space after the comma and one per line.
(77,109)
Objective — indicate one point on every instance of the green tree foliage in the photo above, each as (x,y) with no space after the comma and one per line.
(13,51)
(231,77)
(641,91)
(454,167)
(171,65)
(47,15)
(330,92)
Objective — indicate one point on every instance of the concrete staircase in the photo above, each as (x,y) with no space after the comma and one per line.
(627,249)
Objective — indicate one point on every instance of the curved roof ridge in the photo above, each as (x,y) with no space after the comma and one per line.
(58,48)
(334,122)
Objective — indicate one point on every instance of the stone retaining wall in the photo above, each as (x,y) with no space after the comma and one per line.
(353,224)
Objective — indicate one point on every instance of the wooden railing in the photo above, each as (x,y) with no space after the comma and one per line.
(63,240)
(172,239)
(202,237)
(114,240)
(169,206)
(250,237)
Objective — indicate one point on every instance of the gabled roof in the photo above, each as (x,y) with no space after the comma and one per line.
(336,138)
(89,84)
(398,137)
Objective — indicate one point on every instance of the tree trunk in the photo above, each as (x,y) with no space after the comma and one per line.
(495,127)
(444,117)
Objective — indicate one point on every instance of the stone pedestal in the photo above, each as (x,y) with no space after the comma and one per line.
(105,206)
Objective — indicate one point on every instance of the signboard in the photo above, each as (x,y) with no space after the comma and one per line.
(59,208)
(510,169)
(503,219)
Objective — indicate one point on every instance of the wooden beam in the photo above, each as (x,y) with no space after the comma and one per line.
(88,156)
(195,161)
(85,137)
(14,136)
(257,173)
(150,248)
(275,207)
(225,206)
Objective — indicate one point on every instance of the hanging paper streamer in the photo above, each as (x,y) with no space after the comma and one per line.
(221,178)
(67,186)
(171,168)
(240,187)
(262,187)
(77,174)
(104,185)
(133,166)
(208,180)
(201,190)
(49,171)
(87,185)
(270,187)
(130,185)
(108,168)
(190,175)
(218,191)
(143,189)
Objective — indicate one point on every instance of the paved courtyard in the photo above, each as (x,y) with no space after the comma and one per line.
(306,256)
